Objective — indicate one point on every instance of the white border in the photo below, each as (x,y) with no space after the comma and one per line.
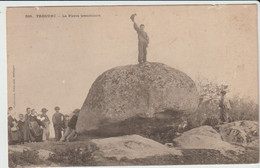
(107,3)
(3,61)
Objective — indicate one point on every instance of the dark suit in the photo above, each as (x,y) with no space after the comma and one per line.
(143,41)
(58,123)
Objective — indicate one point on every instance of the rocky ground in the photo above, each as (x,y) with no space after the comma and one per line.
(230,143)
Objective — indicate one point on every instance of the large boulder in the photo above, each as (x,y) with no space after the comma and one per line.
(132,147)
(146,90)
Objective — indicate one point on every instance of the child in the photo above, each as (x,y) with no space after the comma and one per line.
(22,127)
(15,132)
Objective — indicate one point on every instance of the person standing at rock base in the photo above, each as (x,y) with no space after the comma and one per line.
(46,122)
(36,126)
(22,127)
(13,133)
(143,40)
(57,120)
(28,137)
(224,106)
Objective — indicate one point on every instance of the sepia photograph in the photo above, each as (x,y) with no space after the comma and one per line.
(132,85)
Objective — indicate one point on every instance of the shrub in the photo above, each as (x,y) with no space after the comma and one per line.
(243,109)
(27,157)
(80,156)
(211,121)
(208,112)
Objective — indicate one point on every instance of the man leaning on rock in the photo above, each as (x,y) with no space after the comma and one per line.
(70,132)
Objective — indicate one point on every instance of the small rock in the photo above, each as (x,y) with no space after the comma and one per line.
(169,145)
(44,154)
(54,165)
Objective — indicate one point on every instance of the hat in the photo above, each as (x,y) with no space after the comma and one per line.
(57,108)
(76,111)
(44,110)
(223,92)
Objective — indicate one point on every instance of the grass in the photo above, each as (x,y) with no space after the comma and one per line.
(75,156)
(27,157)
(190,157)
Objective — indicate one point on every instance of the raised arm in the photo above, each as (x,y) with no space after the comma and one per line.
(136,27)
(132,17)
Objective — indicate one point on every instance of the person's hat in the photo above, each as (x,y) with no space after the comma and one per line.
(44,110)
(57,108)
(132,17)
(76,111)
(223,92)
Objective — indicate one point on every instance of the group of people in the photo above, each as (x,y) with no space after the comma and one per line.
(34,127)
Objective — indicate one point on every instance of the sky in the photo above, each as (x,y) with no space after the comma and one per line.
(54,61)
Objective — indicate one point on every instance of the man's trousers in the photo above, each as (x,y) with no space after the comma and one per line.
(142,52)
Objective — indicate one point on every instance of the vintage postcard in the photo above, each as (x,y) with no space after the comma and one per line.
(132,85)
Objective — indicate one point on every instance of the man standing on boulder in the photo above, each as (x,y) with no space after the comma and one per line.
(143,40)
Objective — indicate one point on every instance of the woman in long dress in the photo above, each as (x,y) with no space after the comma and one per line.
(28,136)
(46,121)
(22,128)
(35,126)
(13,130)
